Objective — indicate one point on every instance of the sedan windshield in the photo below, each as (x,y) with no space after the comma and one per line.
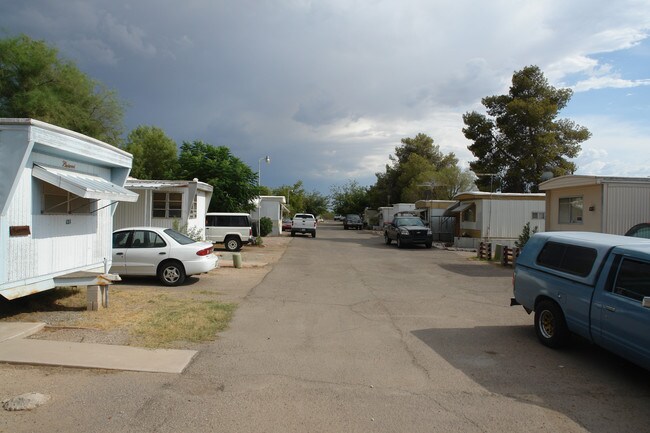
(179,237)
(399,222)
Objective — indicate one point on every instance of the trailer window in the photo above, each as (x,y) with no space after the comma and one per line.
(59,201)
(167,204)
(570,210)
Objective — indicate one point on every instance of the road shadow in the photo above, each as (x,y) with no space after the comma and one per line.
(595,388)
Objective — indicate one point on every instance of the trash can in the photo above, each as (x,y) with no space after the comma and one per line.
(236,260)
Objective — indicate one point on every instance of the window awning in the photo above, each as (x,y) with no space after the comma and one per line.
(458,208)
(83,185)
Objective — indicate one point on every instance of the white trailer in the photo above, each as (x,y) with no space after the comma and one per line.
(57,199)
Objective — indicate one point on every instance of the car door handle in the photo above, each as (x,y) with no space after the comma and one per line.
(119,254)
(162,253)
(608,308)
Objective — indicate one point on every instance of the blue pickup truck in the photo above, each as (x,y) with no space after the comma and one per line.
(591,284)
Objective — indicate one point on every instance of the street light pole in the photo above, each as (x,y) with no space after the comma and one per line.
(266,159)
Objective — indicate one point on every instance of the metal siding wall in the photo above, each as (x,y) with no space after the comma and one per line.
(508,217)
(201,210)
(131,214)
(55,246)
(625,206)
(22,254)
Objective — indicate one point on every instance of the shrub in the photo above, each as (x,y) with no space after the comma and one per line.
(266,226)
(194,232)
(525,235)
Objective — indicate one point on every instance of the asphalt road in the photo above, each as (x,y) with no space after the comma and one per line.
(346,334)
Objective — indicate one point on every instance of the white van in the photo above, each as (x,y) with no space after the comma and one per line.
(231,229)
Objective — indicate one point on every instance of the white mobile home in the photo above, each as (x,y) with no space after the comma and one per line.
(270,206)
(495,217)
(56,205)
(387,213)
(161,202)
(604,204)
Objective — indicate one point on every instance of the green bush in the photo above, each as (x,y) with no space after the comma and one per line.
(266,226)
(525,235)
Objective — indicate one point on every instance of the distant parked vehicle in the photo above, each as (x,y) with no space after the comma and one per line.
(352,222)
(231,229)
(304,223)
(161,252)
(640,231)
(407,230)
(339,217)
(286,225)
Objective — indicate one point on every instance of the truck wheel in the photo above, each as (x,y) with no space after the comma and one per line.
(313,234)
(293,233)
(171,273)
(550,325)
(386,239)
(428,244)
(232,243)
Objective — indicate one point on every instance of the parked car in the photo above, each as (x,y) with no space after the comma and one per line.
(639,231)
(286,225)
(304,223)
(339,217)
(161,252)
(405,230)
(591,284)
(352,221)
(231,229)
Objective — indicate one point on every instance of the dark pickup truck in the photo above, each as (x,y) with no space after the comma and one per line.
(407,230)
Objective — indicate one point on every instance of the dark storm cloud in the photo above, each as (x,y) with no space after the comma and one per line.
(326,88)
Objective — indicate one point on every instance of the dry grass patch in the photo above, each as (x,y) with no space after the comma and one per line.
(151,318)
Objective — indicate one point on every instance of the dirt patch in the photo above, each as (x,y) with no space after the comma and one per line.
(141,312)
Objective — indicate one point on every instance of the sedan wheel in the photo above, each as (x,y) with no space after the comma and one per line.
(171,274)
(386,239)
(400,244)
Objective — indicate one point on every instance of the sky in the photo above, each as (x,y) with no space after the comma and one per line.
(327,89)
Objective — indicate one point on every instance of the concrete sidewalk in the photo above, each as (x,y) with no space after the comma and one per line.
(15,348)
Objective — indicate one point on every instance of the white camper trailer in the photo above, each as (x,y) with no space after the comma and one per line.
(57,198)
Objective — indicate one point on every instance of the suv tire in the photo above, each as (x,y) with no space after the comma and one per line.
(232,243)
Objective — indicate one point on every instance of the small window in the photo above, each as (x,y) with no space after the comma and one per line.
(469,214)
(193,209)
(538,215)
(167,204)
(570,210)
(567,258)
(59,201)
(633,280)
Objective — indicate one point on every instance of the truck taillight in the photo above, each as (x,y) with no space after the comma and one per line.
(204,252)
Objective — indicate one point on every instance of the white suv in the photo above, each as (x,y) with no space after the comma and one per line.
(231,229)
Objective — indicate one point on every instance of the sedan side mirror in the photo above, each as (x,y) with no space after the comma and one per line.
(645,302)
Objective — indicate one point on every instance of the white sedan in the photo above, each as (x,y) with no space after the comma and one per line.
(161,252)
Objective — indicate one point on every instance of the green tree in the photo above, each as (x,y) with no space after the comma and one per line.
(295,195)
(522,138)
(349,198)
(414,164)
(155,156)
(316,203)
(36,83)
(234,183)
